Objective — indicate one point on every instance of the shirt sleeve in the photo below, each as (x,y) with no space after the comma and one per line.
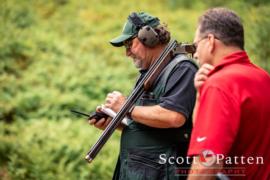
(180,93)
(216,124)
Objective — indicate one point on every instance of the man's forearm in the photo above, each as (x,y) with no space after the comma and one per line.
(156,116)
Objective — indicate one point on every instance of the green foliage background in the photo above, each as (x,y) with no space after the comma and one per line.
(55,55)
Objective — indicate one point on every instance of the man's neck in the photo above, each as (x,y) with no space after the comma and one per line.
(227,50)
(156,51)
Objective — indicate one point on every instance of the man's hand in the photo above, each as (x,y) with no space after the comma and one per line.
(202,75)
(102,123)
(198,171)
(115,101)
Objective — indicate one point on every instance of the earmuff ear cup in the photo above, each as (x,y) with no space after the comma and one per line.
(148,36)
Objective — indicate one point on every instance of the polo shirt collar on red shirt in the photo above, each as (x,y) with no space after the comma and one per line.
(236,57)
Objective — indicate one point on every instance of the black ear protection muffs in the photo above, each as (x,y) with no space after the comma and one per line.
(146,34)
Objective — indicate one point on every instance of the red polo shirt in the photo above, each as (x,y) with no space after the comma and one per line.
(233,116)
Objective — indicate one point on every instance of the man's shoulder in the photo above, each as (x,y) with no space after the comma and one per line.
(236,73)
(232,79)
(184,61)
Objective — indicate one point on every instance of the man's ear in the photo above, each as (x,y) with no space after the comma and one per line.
(211,40)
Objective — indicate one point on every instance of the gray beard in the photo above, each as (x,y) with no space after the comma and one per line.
(138,64)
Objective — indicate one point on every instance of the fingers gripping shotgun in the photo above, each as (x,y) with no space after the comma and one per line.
(170,51)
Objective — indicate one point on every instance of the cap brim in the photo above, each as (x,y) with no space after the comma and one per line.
(118,41)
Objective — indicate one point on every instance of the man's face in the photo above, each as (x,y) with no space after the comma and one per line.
(139,53)
(202,51)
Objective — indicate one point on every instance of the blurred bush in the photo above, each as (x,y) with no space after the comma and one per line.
(258,43)
(55,56)
(42,152)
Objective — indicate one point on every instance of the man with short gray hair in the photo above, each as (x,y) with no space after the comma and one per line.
(233,103)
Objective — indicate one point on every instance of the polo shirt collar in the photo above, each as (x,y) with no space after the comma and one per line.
(236,57)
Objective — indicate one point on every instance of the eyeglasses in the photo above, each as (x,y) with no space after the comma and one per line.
(197,43)
(128,43)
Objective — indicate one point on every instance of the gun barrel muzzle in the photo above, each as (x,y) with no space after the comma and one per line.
(88,158)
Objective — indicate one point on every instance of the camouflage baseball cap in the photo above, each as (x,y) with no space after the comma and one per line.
(130,30)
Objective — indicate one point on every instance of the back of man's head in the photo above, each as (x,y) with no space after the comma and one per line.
(224,24)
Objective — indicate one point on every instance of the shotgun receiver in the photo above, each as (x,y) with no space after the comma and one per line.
(164,58)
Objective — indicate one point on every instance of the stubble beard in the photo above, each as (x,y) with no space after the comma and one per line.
(138,63)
